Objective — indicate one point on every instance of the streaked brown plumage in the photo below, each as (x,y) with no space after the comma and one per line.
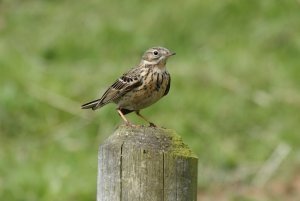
(140,87)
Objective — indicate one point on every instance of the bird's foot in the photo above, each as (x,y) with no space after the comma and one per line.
(152,124)
(129,124)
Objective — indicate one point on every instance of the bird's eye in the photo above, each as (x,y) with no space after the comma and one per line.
(155,52)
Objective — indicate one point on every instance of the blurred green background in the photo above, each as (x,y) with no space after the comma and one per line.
(234,97)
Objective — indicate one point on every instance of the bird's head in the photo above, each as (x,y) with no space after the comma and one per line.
(156,56)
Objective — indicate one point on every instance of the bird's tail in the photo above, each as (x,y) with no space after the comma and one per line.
(93,104)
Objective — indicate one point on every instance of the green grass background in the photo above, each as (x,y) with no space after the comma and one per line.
(234,96)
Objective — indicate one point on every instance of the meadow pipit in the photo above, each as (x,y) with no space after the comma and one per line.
(140,87)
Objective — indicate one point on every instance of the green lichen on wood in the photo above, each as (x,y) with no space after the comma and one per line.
(165,140)
(179,147)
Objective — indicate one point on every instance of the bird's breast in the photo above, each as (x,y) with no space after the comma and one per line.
(153,88)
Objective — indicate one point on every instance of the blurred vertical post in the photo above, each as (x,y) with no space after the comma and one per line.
(146,163)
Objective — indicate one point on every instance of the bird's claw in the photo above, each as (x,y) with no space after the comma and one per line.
(152,124)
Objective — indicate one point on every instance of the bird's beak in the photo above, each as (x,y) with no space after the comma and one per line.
(171,54)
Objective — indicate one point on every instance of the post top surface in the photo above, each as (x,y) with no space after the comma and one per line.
(154,138)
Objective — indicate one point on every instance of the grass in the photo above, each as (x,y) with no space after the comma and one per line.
(234,96)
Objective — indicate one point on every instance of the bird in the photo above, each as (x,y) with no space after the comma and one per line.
(139,87)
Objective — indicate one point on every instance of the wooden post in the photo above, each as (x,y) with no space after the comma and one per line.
(146,164)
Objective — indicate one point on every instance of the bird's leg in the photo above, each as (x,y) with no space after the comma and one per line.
(124,118)
(151,124)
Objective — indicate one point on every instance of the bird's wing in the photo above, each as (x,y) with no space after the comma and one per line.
(124,84)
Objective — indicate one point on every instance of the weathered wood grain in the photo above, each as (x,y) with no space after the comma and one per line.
(146,164)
